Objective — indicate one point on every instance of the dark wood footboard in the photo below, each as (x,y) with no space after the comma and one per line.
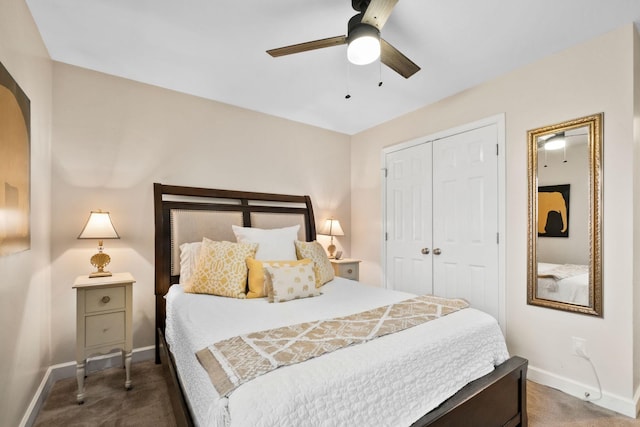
(497,399)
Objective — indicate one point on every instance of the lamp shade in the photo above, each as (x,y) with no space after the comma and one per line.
(331,227)
(99,226)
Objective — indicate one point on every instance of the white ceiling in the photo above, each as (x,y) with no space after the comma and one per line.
(216,48)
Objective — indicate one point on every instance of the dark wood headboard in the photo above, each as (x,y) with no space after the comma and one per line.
(187,214)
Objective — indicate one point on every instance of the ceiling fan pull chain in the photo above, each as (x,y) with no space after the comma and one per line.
(545,157)
(348,95)
(380,70)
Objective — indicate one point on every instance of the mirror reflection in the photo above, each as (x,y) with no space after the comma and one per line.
(564,241)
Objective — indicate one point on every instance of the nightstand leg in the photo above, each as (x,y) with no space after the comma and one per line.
(80,377)
(127,368)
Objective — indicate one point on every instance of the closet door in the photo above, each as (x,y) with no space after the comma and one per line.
(408,219)
(465,218)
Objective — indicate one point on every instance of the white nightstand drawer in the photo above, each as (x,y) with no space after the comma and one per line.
(349,271)
(105,328)
(347,268)
(103,299)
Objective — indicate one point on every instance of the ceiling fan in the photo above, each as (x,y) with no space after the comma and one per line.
(363,38)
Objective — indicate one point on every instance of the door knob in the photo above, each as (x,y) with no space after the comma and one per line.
(437,251)
(425,251)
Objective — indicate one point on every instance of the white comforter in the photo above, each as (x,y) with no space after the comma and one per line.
(573,290)
(390,381)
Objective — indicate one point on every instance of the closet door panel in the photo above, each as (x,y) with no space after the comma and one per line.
(465,218)
(408,219)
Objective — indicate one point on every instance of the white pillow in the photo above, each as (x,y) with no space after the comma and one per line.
(189,253)
(286,283)
(276,244)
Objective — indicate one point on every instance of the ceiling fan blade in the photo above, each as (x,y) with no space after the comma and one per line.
(378,12)
(394,59)
(303,47)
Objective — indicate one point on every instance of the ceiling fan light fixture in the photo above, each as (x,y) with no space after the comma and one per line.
(556,142)
(364,44)
(363,39)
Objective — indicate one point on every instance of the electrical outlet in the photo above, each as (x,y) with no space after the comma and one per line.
(579,346)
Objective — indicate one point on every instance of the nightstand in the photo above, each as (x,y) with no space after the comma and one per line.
(104,321)
(347,268)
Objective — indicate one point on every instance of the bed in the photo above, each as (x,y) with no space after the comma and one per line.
(564,283)
(495,395)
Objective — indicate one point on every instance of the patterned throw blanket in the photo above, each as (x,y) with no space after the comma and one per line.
(236,360)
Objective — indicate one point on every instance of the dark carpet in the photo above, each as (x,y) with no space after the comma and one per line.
(106,401)
(552,408)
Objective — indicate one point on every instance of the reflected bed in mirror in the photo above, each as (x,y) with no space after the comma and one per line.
(564,235)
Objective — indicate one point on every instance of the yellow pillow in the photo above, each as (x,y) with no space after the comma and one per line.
(286,283)
(315,252)
(257,277)
(221,269)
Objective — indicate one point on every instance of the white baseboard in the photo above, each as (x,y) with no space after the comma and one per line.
(624,406)
(68,370)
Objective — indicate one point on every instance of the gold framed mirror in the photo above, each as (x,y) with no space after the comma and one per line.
(565,216)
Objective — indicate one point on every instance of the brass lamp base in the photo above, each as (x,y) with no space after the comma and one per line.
(100,261)
(332,250)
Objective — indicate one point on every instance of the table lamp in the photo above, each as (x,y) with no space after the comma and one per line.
(331,227)
(99,226)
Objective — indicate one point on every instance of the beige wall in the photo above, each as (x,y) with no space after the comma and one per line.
(112,138)
(636,205)
(596,76)
(25,293)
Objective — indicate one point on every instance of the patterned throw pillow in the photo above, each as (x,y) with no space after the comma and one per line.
(315,252)
(221,269)
(257,276)
(288,283)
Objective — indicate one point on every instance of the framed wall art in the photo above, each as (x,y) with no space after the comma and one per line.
(15,180)
(553,210)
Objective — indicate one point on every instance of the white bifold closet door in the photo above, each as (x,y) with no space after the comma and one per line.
(442,218)
(409,224)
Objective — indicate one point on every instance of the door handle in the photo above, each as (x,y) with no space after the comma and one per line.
(437,251)
(425,251)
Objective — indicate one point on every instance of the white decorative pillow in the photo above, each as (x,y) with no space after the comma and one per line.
(286,283)
(276,243)
(257,274)
(221,269)
(315,252)
(189,253)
